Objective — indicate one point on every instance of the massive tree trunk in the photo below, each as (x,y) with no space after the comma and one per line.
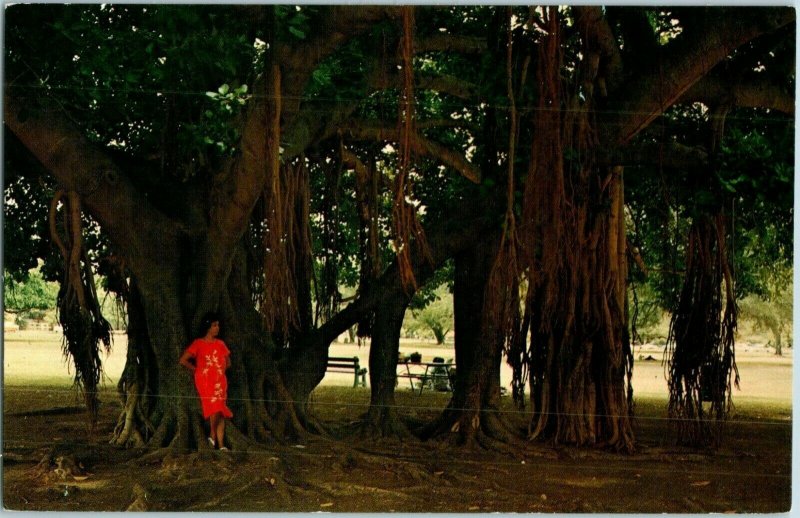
(575,250)
(581,358)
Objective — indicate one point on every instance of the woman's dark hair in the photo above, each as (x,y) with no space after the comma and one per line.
(208,319)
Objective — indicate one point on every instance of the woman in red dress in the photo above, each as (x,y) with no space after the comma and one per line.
(211,360)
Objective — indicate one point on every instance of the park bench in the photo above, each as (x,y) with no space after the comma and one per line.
(343,364)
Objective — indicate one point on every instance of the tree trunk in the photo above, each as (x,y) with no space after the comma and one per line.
(264,408)
(176,415)
(473,415)
(381,419)
(778,345)
(581,360)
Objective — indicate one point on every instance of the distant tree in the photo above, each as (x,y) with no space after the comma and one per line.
(771,313)
(29,298)
(436,318)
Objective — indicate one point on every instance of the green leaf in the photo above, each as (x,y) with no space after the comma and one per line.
(223,89)
(297,32)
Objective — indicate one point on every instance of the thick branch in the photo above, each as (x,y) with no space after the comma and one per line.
(280,91)
(303,124)
(635,26)
(446,240)
(447,85)
(593,27)
(84,168)
(454,159)
(685,61)
(669,155)
(751,94)
(450,43)
(340,23)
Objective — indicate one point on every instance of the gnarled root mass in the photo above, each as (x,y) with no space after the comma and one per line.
(485,429)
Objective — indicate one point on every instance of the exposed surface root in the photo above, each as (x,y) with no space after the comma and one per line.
(381,423)
(131,422)
(237,441)
(484,430)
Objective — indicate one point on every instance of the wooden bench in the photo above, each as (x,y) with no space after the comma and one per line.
(342,364)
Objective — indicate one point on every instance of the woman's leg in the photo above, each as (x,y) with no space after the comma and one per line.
(214,425)
(220,429)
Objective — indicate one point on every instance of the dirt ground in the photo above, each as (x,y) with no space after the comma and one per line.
(42,419)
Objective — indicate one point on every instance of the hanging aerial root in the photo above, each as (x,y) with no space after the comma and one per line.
(78,307)
(701,339)
(406,225)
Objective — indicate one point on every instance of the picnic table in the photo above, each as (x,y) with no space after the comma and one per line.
(427,373)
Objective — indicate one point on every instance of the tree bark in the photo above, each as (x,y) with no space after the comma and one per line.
(581,357)
(473,418)
(381,419)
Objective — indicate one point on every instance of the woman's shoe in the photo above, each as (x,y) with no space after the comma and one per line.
(223,448)
(211,442)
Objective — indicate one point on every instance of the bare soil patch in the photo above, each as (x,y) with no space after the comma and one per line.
(53,462)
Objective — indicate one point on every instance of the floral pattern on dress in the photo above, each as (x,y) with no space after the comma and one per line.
(209,376)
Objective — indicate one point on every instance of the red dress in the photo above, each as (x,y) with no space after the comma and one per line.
(209,376)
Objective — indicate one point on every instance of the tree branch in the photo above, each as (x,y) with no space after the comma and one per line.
(368,131)
(686,60)
(749,94)
(670,155)
(593,27)
(446,239)
(450,43)
(82,167)
(447,85)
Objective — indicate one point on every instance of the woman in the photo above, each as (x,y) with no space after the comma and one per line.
(211,360)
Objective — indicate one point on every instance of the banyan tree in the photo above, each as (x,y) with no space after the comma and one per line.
(248,159)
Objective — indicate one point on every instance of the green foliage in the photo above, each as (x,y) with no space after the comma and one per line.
(166,84)
(294,22)
(25,207)
(217,128)
(134,76)
(751,180)
(773,312)
(30,297)
(435,319)
(649,315)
